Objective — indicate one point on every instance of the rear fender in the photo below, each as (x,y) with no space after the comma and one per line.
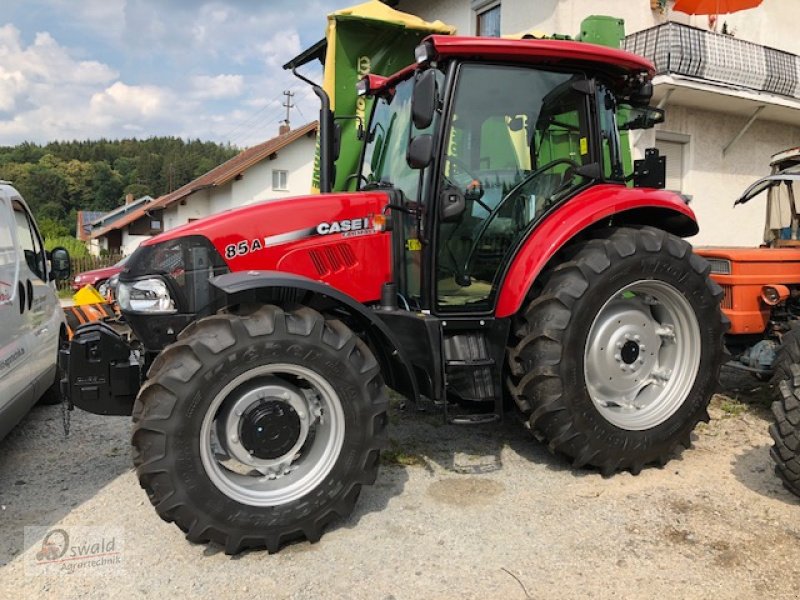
(276,287)
(599,206)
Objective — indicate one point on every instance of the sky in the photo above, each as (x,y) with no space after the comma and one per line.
(85,69)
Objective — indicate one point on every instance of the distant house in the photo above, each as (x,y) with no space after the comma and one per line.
(278,168)
(124,227)
(85,218)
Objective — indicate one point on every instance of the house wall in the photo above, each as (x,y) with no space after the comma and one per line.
(715,181)
(254,185)
(131,242)
(774,23)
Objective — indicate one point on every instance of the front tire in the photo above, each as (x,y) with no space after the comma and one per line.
(257,429)
(619,354)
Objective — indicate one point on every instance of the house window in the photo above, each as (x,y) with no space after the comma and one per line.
(280,180)
(487,19)
(674,147)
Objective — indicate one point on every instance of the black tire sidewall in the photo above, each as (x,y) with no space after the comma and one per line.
(640,266)
(199,393)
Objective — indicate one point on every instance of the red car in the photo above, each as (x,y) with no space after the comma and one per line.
(97,277)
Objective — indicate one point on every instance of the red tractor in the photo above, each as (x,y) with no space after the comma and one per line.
(496,254)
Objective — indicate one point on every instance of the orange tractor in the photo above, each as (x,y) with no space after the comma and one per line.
(762,300)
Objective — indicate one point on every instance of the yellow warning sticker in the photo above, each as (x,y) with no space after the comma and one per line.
(413,245)
(584,146)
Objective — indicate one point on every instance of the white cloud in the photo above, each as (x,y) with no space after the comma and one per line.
(219,86)
(128,102)
(281,47)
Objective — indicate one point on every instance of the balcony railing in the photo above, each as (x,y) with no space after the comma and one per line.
(678,49)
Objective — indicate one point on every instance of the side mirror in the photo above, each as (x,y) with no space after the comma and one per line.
(337,140)
(423,99)
(643,117)
(420,151)
(60,267)
(590,171)
(642,96)
(451,204)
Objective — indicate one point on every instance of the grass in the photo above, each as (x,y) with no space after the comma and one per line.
(65,293)
(395,455)
(732,407)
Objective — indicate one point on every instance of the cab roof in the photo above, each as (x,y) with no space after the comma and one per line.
(533,51)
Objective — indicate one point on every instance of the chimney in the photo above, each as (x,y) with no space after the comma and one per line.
(284,128)
(128,199)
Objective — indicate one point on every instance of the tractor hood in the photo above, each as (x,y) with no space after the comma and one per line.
(328,238)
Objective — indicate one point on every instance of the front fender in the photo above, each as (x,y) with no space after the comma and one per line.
(599,205)
(246,286)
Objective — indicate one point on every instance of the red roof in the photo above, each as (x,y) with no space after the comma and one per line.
(216,176)
(532,50)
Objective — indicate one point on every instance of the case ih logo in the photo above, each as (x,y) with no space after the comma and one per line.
(344,226)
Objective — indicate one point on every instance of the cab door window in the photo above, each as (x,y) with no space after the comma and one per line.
(30,244)
(515,140)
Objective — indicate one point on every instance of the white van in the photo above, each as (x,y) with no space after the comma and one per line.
(31,318)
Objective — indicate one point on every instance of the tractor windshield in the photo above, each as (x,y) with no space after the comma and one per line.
(515,141)
(384,163)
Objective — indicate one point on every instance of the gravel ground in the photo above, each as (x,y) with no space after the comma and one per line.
(480,512)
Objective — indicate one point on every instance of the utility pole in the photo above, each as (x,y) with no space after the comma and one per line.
(288,105)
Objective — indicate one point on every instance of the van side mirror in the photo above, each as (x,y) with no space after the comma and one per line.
(60,267)
(420,151)
(423,99)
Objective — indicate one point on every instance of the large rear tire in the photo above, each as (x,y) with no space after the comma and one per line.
(785,430)
(257,429)
(618,354)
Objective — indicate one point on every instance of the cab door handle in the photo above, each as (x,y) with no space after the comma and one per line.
(29,286)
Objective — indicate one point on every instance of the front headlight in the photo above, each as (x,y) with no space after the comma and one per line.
(145,296)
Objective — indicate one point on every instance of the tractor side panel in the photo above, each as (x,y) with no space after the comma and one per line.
(742,273)
(599,203)
(328,238)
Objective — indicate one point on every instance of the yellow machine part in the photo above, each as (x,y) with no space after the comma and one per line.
(87,295)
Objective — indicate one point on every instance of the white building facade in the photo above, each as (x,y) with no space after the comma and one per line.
(731,101)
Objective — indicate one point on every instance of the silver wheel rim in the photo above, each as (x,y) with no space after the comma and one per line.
(642,355)
(272,481)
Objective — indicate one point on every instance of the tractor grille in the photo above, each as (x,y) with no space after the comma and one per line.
(727,299)
(332,259)
(720,266)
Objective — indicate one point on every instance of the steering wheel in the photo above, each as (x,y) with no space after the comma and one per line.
(496,210)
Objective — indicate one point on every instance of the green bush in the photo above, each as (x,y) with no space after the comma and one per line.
(75,247)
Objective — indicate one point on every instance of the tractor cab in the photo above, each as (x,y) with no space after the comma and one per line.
(479,151)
